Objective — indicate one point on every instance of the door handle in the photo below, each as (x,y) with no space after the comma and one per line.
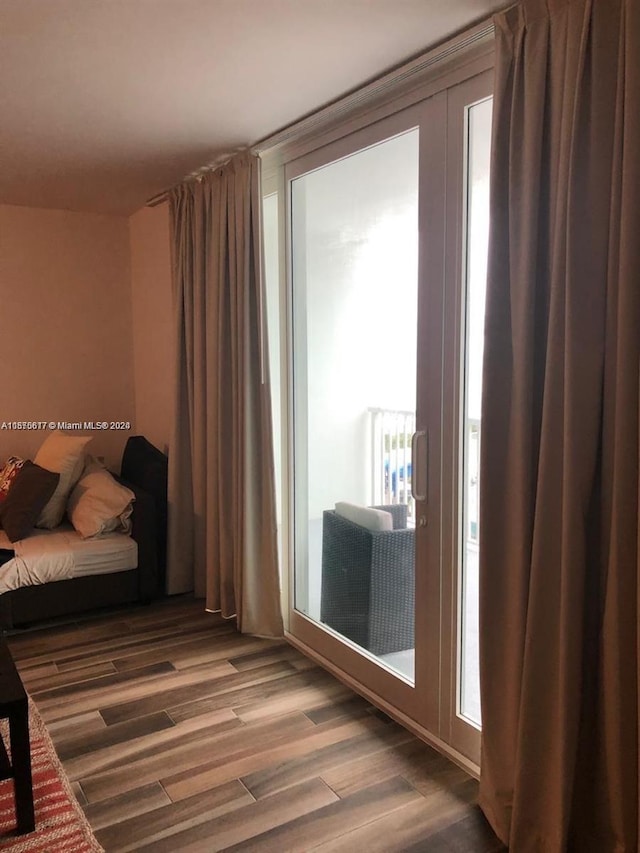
(419,465)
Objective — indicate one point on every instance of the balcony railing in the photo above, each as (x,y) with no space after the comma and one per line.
(391,433)
(472,479)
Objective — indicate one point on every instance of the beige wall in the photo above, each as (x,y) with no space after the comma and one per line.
(66,346)
(153,350)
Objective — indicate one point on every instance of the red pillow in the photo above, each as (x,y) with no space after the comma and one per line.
(8,474)
(32,488)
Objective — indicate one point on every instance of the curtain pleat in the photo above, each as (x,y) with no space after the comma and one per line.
(559,492)
(222,523)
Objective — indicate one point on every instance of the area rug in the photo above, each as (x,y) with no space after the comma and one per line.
(61,826)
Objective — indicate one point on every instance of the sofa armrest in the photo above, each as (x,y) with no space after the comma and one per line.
(145,465)
(144,531)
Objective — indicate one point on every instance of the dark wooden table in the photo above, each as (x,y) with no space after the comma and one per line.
(14,707)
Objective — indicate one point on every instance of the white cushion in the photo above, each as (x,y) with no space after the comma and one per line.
(365,516)
(64,455)
(99,504)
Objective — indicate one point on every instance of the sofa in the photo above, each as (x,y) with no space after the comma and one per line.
(106,547)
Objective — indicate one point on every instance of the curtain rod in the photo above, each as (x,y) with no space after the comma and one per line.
(370,92)
(196,175)
(358,97)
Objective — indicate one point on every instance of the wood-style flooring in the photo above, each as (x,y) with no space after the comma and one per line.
(181,735)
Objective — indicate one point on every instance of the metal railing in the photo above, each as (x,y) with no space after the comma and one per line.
(472,479)
(391,433)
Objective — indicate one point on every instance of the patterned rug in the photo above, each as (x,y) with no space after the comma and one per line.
(61,826)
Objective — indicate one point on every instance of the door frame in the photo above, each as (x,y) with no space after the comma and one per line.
(438,721)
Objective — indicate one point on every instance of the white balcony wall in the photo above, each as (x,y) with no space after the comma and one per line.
(360,271)
(355,242)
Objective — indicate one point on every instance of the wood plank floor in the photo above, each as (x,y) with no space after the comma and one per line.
(181,735)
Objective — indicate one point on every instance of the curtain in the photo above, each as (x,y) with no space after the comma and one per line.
(222,522)
(560,443)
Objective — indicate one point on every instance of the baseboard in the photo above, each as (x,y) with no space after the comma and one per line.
(440,746)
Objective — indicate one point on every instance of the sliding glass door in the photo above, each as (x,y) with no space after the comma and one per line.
(387,231)
(355,283)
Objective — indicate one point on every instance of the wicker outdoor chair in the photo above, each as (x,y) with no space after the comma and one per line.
(368,581)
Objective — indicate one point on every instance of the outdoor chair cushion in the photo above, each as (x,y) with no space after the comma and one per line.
(365,516)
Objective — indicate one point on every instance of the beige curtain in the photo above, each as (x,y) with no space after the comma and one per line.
(559,494)
(222,523)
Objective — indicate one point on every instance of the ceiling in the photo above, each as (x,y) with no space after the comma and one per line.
(104,103)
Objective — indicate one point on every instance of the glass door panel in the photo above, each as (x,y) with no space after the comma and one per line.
(354,237)
(478,127)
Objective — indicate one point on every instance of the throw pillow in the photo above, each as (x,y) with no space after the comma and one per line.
(99,504)
(31,489)
(8,474)
(64,455)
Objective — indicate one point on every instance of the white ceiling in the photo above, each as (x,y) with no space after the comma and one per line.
(104,103)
